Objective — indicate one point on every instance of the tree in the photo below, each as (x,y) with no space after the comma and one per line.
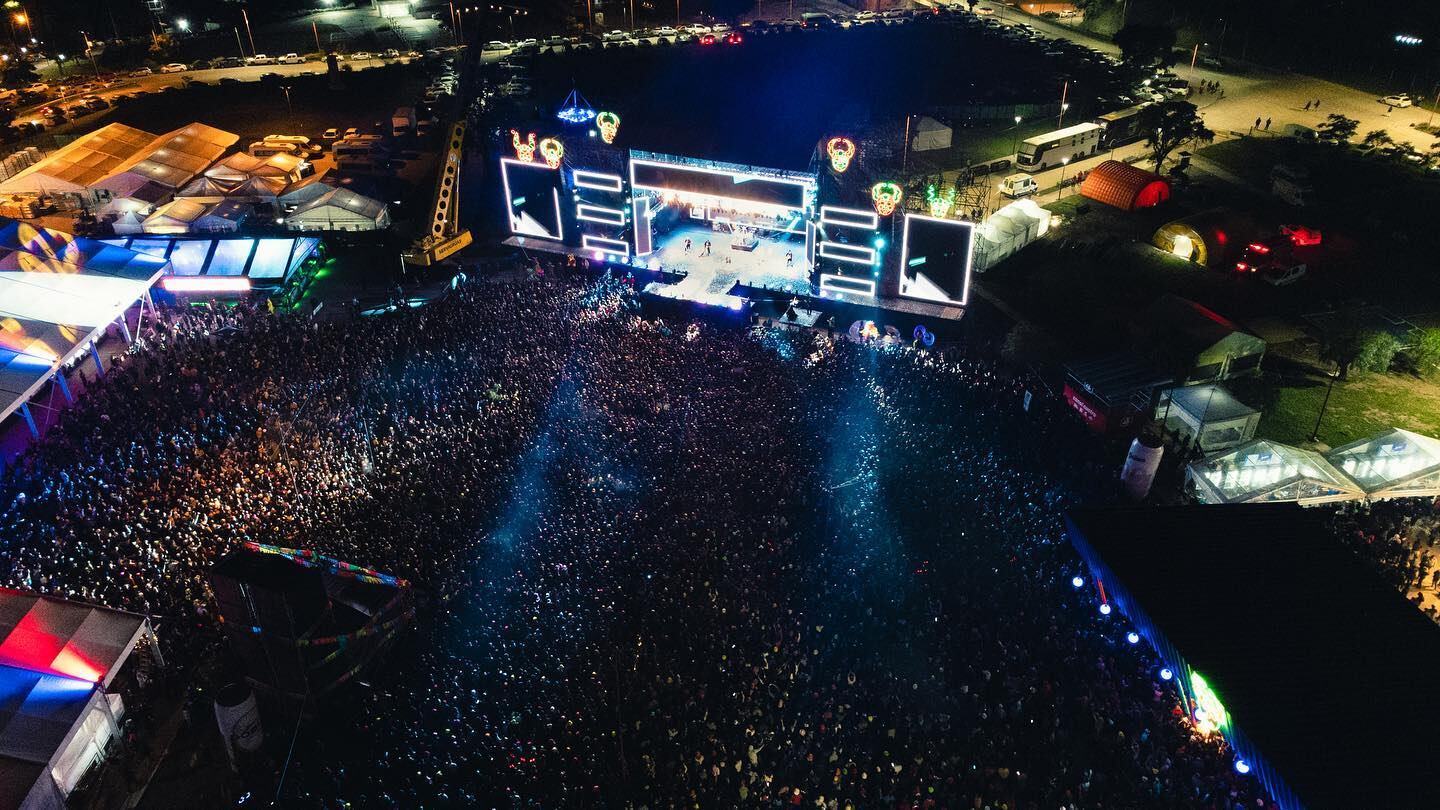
(161,47)
(1338,128)
(1405,152)
(1146,45)
(19,73)
(1425,351)
(1175,124)
(1376,351)
(1376,139)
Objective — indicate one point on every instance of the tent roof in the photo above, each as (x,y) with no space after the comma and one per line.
(175,158)
(1116,377)
(58,637)
(347,200)
(1190,326)
(1209,403)
(1395,463)
(1119,184)
(1263,470)
(83,162)
(1324,667)
(56,292)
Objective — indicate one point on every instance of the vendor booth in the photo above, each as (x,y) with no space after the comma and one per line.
(1208,416)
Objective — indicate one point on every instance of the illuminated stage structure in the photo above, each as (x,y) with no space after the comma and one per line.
(728,234)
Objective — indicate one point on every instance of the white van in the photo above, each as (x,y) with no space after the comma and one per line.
(1018,185)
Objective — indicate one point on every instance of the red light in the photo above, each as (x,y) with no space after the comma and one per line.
(1241,266)
(708,39)
(1259,248)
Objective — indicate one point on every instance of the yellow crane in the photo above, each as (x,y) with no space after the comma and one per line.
(445,237)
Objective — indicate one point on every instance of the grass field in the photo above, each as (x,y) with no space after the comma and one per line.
(1361,406)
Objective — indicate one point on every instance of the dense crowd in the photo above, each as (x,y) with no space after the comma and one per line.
(1398,538)
(664,565)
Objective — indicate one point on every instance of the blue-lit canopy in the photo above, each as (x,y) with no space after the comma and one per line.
(575,109)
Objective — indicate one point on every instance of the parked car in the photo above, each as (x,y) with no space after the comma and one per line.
(495,46)
(556,41)
(666,31)
(614,36)
(1019,185)
(707,39)
(1282,275)
(291,59)
(866,18)
(330,134)
(984,11)
(259,59)
(227,62)
(390,53)
(145,71)
(733,38)
(1397,100)
(1066,14)
(697,29)
(359,56)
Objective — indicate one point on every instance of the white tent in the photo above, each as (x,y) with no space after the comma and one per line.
(58,292)
(1392,464)
(128,222)
(81,163)
(190,215)
(1009,229)
(339,210)
(1264,472)
(930,134)
(58,659)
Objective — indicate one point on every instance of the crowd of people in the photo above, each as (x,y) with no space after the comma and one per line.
(661,564)
(1399,538)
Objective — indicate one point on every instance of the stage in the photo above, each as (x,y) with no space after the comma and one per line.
(764,267)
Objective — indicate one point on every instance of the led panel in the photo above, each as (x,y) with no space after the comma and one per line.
(846,284)
(230,257)
(935,259)
(205,284)
(272,256)
(598,213)
(854,254)
(849,217)
(188,257)
(598,181)
(532,199)
(607,245)
(755,189)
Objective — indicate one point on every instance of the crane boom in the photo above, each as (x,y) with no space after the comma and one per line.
(445,237)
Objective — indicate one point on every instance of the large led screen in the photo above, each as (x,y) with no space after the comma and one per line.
(717,182)
(532,197)
(935,259)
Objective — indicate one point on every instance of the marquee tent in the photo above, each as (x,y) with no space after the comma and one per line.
(173,159)
(1264,471)
(186,215)
(58,293)
(339,210)
(242,175)
(1009,229)
(1209,415)
(58,662)
(1207,345)
(1392,464)
(81,163)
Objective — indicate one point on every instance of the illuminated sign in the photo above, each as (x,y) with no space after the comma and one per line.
(598,180)
(206,284)
(596,213)
(605,245)
(524,150)
(846,285)
(887,197)
(849,217)
(939,202)
(841,151)
(609,125)
(854,254)
(552,150)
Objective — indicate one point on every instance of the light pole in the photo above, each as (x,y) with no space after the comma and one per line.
(1015,141)
(288,108)
(248,33)
(1064,161)
(1315,434)
(22,18)
(1064,104)
(60,60)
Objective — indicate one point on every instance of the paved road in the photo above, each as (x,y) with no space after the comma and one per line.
(159,81)
(1281,97)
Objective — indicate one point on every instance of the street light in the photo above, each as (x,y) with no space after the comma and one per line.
(1408,40)
(1315,434)
(1015,141)
(1064,161)
(182,24)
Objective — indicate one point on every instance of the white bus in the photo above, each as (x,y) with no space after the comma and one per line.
(1051,149)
